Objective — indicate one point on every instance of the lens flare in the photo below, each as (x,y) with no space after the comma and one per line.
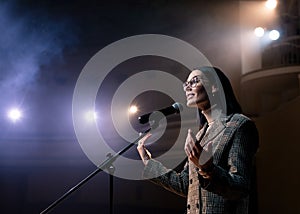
(274,35)
(14,114)
(259,32)
(133,109)
(91,116)
(271,4)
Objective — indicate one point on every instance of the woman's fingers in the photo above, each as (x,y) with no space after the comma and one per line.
(143,152)
(142,141)
(206,154)
(191,149)
(188,144)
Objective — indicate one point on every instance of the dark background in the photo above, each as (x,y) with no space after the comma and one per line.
(44,45)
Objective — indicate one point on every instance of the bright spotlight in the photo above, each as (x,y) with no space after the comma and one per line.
(259,32)
(271,4)
(14,114)
(91,116)
(274,35)
(133,109)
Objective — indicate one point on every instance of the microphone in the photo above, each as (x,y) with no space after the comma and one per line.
(173,109)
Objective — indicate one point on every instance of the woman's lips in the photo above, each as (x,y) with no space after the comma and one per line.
(189,96)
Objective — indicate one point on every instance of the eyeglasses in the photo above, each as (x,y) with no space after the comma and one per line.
(192,83)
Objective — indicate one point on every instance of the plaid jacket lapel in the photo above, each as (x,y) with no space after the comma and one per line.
(231,123)
(213,131)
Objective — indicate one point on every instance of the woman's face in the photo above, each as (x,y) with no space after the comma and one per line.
(196,95)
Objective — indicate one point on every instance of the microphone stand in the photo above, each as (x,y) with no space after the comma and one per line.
(106,164)
(111,171)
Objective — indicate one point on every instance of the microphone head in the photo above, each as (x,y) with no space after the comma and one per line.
(157,115)
(178,107)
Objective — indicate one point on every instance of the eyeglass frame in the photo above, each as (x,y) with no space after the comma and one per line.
(192,83)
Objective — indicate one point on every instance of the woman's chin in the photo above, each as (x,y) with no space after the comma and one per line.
(191,104)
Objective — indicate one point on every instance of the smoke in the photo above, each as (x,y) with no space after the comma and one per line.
(29,39)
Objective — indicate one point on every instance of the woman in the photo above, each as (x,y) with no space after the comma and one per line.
(217,177)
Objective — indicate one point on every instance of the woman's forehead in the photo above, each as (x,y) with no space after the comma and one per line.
(195,73)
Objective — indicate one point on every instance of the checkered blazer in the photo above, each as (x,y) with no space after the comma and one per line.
(235,142)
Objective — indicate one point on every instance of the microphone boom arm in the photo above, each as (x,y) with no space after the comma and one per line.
(104,165)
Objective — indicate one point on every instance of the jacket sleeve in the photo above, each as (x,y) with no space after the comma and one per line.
(167,178)
(232,179)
